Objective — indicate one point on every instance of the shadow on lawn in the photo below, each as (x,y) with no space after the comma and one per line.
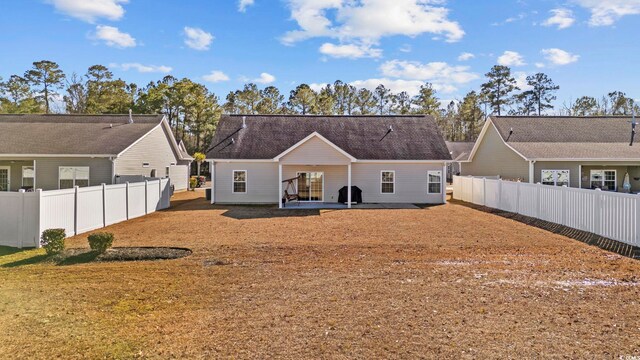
(82,258)
(6,250)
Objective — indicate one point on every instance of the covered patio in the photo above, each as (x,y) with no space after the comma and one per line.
(327,206)
(17,174)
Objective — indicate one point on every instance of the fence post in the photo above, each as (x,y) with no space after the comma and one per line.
(127,200)
(75,210)
(518,198)
(563,204)
(146,194)
(471,178)
(484,191)
(104,205)
(500,194)
(597,227)
(538,200)
(637,217)
(39,219)
(159,204)
(21,218)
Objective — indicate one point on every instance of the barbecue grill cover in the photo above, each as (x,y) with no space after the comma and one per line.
(356,195)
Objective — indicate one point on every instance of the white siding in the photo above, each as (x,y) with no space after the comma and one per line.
(262,183)
(155,149)
(410,183)
(315,152)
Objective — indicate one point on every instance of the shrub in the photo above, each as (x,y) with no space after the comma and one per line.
(52,240)
(101,241)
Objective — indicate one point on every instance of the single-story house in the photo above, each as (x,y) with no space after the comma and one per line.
(53,152)
(460,151)
(391,159)
(580,152)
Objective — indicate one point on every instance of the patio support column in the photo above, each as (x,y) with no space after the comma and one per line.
(35,175)
(349,186)
(212,168)
(531,172)
(579,177)
(279,185)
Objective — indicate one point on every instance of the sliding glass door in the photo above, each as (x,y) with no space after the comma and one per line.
(311,186)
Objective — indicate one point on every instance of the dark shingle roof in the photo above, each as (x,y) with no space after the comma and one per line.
(413,137)
(460,151)
(72,134)
(569,137)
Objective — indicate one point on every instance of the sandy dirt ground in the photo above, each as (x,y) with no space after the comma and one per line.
(439,282)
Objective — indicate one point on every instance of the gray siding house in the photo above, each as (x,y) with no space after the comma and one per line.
(53,152)
(580,152)
(392,159)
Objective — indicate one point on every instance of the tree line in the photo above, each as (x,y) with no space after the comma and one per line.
(193,110)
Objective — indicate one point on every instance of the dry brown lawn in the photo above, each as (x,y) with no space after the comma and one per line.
(440,282)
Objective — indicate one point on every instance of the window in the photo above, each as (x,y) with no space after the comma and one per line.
(604,180)
(388,182)
(239,181)
(166,171)
(555,177)
(28,176)
(145,165)
(434,182)
(73,176)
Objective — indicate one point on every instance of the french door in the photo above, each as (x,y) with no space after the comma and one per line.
(311,186)
(5,178)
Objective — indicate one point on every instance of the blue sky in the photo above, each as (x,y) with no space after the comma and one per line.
(588,47)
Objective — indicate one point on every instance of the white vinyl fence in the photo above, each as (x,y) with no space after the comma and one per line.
(612,215)
(25,215)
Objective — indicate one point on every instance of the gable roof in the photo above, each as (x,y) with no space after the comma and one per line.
(99,135)
(460,150)
(362,137)
(580,138)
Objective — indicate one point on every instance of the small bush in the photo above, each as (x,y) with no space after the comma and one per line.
(101,241)
(52,240)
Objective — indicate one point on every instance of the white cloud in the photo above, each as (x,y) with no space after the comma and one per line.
(142,68)
(409,74)
(112,36)
(521,80)
(244,4)
(540,65)
(406,48)
(559,57)
(265,78)
(317,86)
(607,12)
(466,56)
(350,51)
(366,22)
(562,18)
(197,39)
(412,87)
(91,10)
(216,76)
(511,58)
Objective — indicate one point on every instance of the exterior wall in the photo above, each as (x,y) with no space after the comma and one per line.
(576,178)
(262,183)
(154,149)
(410,186)
(335,177)
(495,158)
(315,152)
(47,171)
(15,176)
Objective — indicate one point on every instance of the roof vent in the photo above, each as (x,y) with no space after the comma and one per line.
(244,122)
(510,133)
(110,126)
(390,128)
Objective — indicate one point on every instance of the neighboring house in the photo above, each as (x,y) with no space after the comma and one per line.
(580,152)
(52,152)
(459,151)
(392,159)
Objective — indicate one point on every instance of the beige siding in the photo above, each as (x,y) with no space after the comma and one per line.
(335,177)
(262,183)
(315,152)
(410,183)
(494,158)
(155,149)
(47,171)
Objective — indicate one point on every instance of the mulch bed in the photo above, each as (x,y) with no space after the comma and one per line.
(130,254)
